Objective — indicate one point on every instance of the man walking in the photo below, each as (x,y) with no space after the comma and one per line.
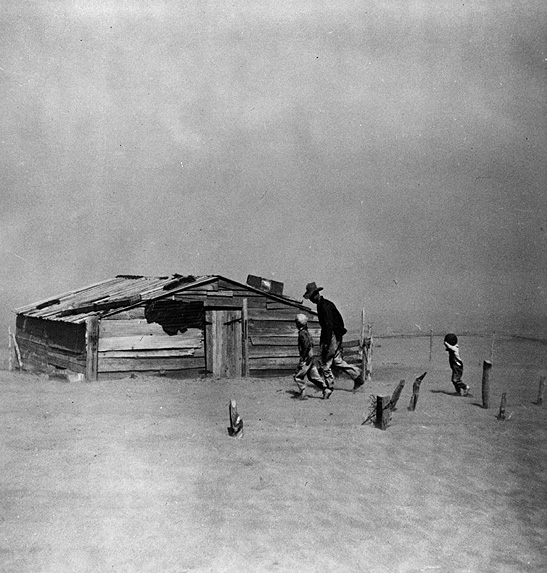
(330,342)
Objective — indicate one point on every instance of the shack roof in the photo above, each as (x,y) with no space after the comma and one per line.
(124,292)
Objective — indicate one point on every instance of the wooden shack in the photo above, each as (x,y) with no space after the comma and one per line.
(178,325)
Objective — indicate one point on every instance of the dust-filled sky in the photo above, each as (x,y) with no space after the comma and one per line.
(394,152)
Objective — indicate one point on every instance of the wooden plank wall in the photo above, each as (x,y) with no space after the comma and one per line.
(133,345)
(273,338)
(49,343)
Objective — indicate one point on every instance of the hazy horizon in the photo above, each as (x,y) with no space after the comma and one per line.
(392,152)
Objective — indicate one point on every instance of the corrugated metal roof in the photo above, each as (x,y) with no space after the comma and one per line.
(122,292)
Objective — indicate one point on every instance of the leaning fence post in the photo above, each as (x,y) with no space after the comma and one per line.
(383,412)
(486,367)
(415,392)
(396,395)
(541,390)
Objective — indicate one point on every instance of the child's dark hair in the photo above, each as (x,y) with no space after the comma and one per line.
(451,338)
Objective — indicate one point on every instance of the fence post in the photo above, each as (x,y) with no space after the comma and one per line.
(415,392)
(501,414)
(486,367)
(541,390)
(383,412)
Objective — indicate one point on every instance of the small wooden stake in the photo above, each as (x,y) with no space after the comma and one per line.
(10,350)
(396,395)
(501,414)
(383,412)
(17,351)
(541,390)
(236,423)
(486,368)
(416,392)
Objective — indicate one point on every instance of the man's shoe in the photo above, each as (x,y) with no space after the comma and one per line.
(465,391)
(358,382)
(327,393)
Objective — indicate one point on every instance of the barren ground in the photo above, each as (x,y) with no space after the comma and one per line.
(140,475)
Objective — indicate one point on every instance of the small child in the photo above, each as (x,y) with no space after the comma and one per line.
(456,364)
(306,365)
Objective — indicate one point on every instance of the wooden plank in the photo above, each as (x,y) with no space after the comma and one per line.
(186,373)
(286,313)
(153,364)
(135,327)
(216,302)
(271,363)
(147,342)
(275,328)
(221,293)
(274,340)
(274,351)
(174,353)
(134,313)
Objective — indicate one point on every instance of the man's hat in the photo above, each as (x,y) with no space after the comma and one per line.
(310,289)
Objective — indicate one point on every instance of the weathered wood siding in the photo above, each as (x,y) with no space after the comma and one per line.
(49,343)
(133,345)
(273,337)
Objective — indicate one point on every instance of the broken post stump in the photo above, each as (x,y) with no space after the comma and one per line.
(501,415)
(486,368)
(415,392)
(541,391)
(383,411)
(236,423)
(396,395)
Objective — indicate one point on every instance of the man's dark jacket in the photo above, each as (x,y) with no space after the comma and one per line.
(331,321)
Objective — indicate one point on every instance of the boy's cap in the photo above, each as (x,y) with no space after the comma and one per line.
(451,338)
(301,319)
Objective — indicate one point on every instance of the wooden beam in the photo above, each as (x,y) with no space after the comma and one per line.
(91,348)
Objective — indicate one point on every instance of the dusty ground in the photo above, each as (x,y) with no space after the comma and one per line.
(140,475)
